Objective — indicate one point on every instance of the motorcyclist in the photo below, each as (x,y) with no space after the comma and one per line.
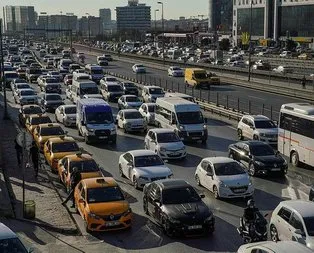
(250,215)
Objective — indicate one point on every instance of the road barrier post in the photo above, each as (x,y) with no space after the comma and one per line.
(160,82)
(178,84)
(150,80)
(249,106)
(172,86)
(166,84)
(217,98)
(193,91)
(227,101)
(208,97)
(200,94)
(185,88)
(238,108)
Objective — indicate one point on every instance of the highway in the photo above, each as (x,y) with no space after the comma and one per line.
(145,236)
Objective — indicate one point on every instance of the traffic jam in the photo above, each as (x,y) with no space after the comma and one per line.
(46,81)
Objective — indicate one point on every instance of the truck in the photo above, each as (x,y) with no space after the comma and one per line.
(94,121)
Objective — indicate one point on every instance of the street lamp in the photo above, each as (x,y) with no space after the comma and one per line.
(250,43)
(163,31)
(60,27)
(46,25)
(155,25)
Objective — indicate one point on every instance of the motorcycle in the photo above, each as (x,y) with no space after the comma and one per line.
(253,231)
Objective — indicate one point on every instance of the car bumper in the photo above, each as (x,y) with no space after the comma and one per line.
(100,138)
(194,229)
(267,170)
(172,155)
(193,136)
(227,192)
(100,224)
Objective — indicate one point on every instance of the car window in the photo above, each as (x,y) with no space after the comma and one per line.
(250,123)
(83,194)
(259,251)
(80,186)
(285,214)
(296,222)
(128,157)
(244,121)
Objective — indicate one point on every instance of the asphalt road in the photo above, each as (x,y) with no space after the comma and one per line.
(145,235)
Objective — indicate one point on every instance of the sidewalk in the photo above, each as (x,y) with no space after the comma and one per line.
(49,211)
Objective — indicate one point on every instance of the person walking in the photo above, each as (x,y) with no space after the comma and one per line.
(19,151)
(74,180)
(34,156)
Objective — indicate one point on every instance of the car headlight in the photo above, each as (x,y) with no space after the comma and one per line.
(144,178)
(182,127)
(90,130)
(173,221)
(127,212)
(250,183)
(204,126)
(222,184)
(161,149)
(94,216)
(170,176)
(259,163)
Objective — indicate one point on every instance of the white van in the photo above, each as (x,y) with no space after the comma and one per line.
(96,72)
(79,88)
(80,76)
(180,95)
(183,116)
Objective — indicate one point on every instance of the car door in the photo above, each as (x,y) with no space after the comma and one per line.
(152,141)
(151,195)
(202,172)
(126,163)
(251,128)
(245,128)
(120,119)
(210,179)
(244,156)
(296,224)
(48,152)
(81,204)
(282,224)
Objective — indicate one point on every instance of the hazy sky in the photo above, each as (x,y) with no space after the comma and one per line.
(172,8)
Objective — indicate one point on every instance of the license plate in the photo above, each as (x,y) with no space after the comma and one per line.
(195,227)
(103,137)
(276,169)
(112,223)
(238,190)
(195,138)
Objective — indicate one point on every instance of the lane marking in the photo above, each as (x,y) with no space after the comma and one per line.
(256,97)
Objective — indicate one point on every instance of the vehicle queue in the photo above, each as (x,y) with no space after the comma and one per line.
(100,201)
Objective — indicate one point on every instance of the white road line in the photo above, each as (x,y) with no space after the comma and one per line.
(256,97)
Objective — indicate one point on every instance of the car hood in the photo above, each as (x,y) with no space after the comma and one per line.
(134,121)
(154,171)
(172,145)
(269,159)
(70,116)
(108,208)
(235,180)
(187,211)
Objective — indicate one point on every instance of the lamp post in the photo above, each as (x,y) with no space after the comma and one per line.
(88,22)
(46,25)
(60,27)
(163,31)
(155,25)
(250,43)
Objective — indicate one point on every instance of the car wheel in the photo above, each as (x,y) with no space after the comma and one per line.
(145,206)
(274,233)
(240,136)
(251,170)
(120,171)
(198,181)
(215,192)
(135,183)
(295,159)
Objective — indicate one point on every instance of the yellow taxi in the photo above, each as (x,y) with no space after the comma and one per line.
(102,205)
(58,147)
(27,110)
(43,132)
(34,120)
(84,162)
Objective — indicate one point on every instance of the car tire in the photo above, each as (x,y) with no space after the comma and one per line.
(294,158)
(120,171)
(135,183)
(215,192)
(252,171)
(240,135)
(198,181)
(274,233)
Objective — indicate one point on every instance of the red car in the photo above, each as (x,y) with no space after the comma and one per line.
(68,79)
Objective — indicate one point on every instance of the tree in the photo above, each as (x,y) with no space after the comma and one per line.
(291,45)
(224,44)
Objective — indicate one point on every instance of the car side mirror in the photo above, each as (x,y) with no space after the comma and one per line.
(252,127)
(202,196)
(81,201)
(250,156)
(82,123)
(299,232)
(277,153)
(130,165)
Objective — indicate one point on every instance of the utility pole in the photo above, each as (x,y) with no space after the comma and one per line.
(163,31)
(155,26)
(250,43)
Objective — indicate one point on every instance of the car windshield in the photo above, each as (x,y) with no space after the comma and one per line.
(114,88)
(132,99)
(12,245)
(167,137)
(156,91)
(11,75)
(148,161)
(40,120)
(99,118)
(190,118)
(132,115)
(20,81)
(309,224)
(27,93)
(32,110)
(70,110)
(97,71)
(54,73)
(104,194)
(140,66)
(228,169)
(180,195)
(200,75)
(129,85)
(53,97)
(265,124)
(261,150)
(51,80)
(35,71)
(47,131)
(151,108)
(22,86)
(176,68)
(111,79)
(65,147)
(84,166)
(89,90)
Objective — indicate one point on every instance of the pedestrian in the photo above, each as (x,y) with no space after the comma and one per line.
(34,156)
(303,82)
(19,151)
(74,180)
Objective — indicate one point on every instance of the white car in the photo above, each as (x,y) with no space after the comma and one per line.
(224,177)
(166,143)
(274,247)
(143,167)
(26,96)
(293,220)
(138,68)
(147,110)
(20,86)
(175,71)
(129,102)
(151,93)
(109,80)
(283,70)
(285,54)
(258,127)
(131,120)
(66,114)
(80,55)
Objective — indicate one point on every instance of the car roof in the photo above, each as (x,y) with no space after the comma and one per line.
(253,143)
(218,159)
(172,183)
(79,157)
(61,139)
(256,117)
(129,110)
(6,233)
(129,96)
(141,152)
(162,130)
(280,246)
(38,115)
(303,207)
(99,182)
(47,125)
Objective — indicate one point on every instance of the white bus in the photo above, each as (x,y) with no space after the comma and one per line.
(296,133)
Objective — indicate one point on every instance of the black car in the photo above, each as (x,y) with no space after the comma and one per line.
(177,208)
(311,197)
(258,157)
(129,88)
(51,101)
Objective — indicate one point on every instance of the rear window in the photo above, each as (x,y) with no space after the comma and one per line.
(65,147)
(47,131)
(40,120)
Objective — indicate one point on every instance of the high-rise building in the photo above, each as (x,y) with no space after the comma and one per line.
(90,26)
(105,16)
(19,17)
(220,15)
(274,19)
(134,18)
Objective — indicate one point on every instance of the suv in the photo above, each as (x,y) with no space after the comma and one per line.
(293,220)
(258,127)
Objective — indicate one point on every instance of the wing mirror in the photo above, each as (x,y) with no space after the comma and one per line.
(299,232)
(157,201)
(202,196)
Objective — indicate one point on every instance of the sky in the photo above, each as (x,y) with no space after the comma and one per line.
(173,9)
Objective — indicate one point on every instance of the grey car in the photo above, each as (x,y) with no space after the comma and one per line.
(51,101)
